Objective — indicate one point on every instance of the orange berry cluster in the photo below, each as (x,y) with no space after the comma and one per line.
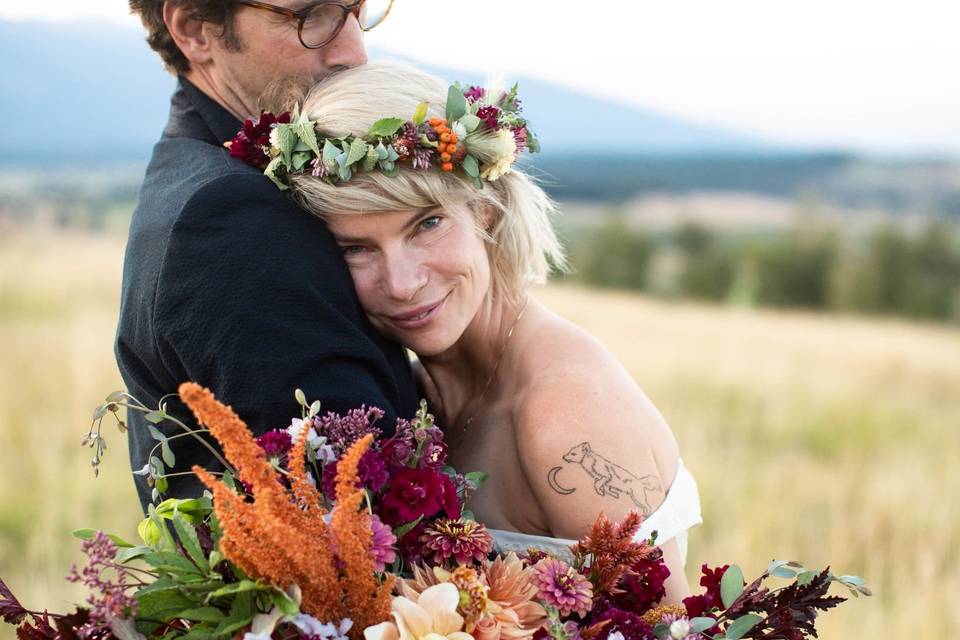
(446,142)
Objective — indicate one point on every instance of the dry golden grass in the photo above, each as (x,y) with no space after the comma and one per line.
(819,438)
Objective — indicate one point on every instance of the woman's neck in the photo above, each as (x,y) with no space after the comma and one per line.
(465,374)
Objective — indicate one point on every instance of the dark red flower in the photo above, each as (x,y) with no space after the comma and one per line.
(413,493)
(253,139)
(629,624)
(490,115)
(372,471)
(276,444)
(697,605)
(643,585)
(451,502)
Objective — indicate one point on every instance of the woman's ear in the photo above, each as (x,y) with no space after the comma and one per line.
(187,32)
(487,217)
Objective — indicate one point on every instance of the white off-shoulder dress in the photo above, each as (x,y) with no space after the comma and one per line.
(679,511)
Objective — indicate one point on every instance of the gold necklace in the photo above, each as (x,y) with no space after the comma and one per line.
(496,366)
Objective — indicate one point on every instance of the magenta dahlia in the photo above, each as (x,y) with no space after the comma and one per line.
(563,587)
(474,93)
(462,541)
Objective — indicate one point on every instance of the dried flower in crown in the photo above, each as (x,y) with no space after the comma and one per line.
(479,137)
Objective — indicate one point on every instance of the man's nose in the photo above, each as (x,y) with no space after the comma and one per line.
(405,277)
(347,49)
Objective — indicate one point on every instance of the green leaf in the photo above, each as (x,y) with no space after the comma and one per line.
(731,585)
(161,484)
(202,614)
(403,530)
(162,604)
(298,394)
(241,613)
(477,477)
(358,149)
(238,587)
(806,577)
(742,625)
(156,417)
(385,127)
(165,535)
(854,580)
(308,135)
(300,160)
(271,172)
(284,602)
(701,624)
(286,139)
(471,166)
(661,631)
(170,562)
(784,572)
(456,104)
(168,458)
(190,541)
(132,553)
(87,534)
(533,143)
(116,396)
(470,122)
(419,115)
(156,433)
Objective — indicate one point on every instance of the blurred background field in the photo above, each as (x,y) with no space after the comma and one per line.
(827,438)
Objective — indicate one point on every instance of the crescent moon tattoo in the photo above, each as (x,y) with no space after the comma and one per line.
(552,480)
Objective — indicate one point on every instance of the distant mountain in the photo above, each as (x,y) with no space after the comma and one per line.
(86,92)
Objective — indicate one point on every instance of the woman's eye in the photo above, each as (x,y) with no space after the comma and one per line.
(429,223)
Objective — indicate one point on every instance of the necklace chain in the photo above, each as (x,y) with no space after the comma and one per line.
(496,366)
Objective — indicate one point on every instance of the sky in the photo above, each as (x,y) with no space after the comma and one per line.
(877,75)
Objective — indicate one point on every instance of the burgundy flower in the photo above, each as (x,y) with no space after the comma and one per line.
(697,605)
(643,585)
(404,147)
(474,93)
(410,546)
(490,115)
(341,431)
(451,502)
(372,472)
(434,455)
(253,139)
(276,445)
(413,493)
(630,625)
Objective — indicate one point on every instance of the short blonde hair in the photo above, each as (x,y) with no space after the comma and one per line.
(522,244)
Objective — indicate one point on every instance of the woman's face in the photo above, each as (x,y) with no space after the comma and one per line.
(420,274)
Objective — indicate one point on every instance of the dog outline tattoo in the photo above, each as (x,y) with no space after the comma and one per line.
(609,479)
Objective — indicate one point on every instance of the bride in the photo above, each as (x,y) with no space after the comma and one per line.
(445,268)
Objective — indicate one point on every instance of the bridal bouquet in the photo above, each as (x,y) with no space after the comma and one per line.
(328,530)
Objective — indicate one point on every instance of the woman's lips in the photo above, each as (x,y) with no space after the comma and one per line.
(420,316)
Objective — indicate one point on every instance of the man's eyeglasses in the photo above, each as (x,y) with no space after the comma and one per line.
(319,23)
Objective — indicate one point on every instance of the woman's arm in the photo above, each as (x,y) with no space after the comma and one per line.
(587,445)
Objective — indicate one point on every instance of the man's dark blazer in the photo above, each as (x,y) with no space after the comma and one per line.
(228,283)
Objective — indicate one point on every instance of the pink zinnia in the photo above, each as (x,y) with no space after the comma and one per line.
(463,541)
(382,544)
(563,587)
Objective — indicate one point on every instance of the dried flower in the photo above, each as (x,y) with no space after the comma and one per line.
(341,431)
(655,616)
(561,586)
(422,158)
(112,602)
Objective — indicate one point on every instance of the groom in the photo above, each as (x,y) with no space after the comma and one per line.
(226,281)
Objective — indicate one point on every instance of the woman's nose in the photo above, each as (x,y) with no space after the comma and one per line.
(405,277)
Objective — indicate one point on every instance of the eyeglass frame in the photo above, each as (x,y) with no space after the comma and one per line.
(301,15)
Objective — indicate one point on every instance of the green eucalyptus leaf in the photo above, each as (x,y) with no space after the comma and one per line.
(477,183)
(456,104)
(784,572)
(385,127)
(421,113)
(470,122)
(370,160)
(661,631)
(471,166)
(742,625)
(155,417)
(700,624)
(854,580)
(864,590)
(168,458)
(731,585)
(156,433)
(116,396)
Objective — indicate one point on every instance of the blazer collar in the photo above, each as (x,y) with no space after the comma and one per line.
(195,115)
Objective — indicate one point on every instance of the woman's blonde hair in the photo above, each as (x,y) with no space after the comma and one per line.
(522,244)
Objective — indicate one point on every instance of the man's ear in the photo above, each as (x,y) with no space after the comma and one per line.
(187,32)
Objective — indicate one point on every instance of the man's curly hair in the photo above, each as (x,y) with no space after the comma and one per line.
(216,12)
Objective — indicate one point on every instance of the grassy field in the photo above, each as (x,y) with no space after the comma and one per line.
(826,439)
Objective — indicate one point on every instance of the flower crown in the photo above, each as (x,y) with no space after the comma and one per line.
(481,138)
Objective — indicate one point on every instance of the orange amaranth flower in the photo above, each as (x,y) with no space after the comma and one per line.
(284,541)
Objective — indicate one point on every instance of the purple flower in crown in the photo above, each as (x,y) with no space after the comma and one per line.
(474,93)
(490,115)
(422,158)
